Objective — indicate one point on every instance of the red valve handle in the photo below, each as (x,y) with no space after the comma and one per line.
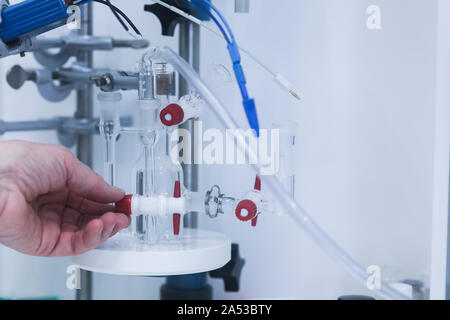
(249,206)
(257,183)
(124,205)
(172,115)
(177,216)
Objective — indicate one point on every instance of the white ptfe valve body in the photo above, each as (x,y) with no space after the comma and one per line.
(196,251)
(151,206)
(156,206)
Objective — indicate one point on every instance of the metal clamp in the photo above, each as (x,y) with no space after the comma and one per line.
(48,88)
(116,80)
(122,80)
(70,46)
(68,129)
(214,201)
(56,85)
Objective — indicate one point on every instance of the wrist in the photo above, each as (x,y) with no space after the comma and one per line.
(3,200)
(8,161)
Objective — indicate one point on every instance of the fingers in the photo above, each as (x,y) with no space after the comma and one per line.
(114,222)
(123,221)
(88,207)
(88,238)
(99,230)
(88,184)
(40,169)
(93,234)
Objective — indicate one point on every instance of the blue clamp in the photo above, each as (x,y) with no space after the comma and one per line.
(248,103)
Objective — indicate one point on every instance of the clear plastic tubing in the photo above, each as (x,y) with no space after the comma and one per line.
(271,183)
(110,129)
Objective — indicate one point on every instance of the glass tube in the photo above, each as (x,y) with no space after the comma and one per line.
(287,154)
(109,129)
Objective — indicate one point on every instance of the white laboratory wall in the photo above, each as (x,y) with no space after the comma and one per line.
(365,144)
(365,141)
(441,160)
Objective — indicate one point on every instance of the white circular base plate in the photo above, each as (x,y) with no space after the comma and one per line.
(196,251)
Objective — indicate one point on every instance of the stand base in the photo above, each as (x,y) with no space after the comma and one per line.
(196,251)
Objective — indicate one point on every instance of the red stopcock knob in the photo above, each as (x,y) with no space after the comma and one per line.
(177,216)
(124,205)
(257,183)
(249,206)
(172,115)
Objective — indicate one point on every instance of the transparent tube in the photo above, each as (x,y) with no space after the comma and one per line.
(149,132)
(286,158)
(272,183)
(109,129)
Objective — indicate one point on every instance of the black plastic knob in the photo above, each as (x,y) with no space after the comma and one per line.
(17,76)
(231,272)
(168,19)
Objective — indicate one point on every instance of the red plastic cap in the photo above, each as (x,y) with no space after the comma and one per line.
(250,207)
(177,190)
(177,216)
(257,183)
(176,223)
(172,115)
(124,205)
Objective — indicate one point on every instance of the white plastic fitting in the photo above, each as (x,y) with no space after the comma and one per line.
(151,206)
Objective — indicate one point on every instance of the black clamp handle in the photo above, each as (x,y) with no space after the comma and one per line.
(231,272)
(169,19)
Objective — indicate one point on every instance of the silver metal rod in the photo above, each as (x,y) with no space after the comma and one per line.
(242,6)
(38,125)
(189,49)
(84,142)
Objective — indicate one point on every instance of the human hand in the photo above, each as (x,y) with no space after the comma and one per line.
(51,204)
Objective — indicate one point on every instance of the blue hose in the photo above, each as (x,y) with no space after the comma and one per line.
(233,50)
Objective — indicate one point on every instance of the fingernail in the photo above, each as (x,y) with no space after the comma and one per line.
(109,231)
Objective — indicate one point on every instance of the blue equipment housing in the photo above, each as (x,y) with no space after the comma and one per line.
(33,17)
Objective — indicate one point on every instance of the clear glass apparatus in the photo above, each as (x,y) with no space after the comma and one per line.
(159,201)
(109,129)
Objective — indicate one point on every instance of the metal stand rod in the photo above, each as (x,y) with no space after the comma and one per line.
(191,286)
(39,125)
(66,125)
(189,48)
(84,142)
